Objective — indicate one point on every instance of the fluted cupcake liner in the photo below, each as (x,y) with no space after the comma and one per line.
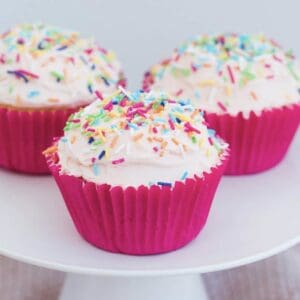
(25,134)
(138,221)
(259,142)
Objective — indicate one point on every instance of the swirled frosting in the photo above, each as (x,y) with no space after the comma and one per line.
(133,139)
(43,66)
(229,74)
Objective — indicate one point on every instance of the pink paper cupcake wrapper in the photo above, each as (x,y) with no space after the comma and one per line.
(24,135)
(139,221)
(259,142)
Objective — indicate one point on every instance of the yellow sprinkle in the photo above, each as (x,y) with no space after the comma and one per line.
(53,100)
(182,117)
(185,147)
(205,83)
(195,112)
(175,141)
(114,141)
(50,150)
(149,139)
(137,137)
(253,95)
(19,100)
(157,139)
(228,90)
(73,139)
(164,144)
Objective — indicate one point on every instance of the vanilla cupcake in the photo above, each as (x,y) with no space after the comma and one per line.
(249,87)
(46,74)
(138,172)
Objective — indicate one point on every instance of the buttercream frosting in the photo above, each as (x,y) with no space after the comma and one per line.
(133,139)
(229,73)
(44,66)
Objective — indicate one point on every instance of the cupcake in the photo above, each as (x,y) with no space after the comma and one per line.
(248,86)
(45,75)
(138,172)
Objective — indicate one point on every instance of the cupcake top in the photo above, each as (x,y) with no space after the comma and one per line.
(229,74)
(44,66)
(132,139)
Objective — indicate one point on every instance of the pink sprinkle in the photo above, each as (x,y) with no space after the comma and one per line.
(190,128)
(17,57)
(72,60)
(28,73)
(108,106)
(154,129)
(93,159)
(85,125)
(88,51)
(138,105)
(171,124)
(99,95)
(123,102)
(118,161)
(75,121)
(194,69)
(155,149)
(177,57)
(270,77)
(172,101)
(230,74)
(267,65)
(277,58)
(221,105)
(179,92)
(2,59)
(91,130)
(210,141)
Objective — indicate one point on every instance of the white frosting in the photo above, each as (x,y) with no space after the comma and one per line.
(69,69)
(175,157)
(200,73)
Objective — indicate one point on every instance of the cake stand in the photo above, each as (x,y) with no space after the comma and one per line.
(253,217)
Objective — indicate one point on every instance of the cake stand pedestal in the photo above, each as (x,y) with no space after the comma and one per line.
(252,218)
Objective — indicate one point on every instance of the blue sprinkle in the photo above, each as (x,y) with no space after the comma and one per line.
(101,154)
(91,140)
(90,88)
(83,59)
(178,120)
(184,175)
(211,132)
(32,94)
(134,126)
(93,67)
(197,94)
(64,139)
(96,169)
(62,48)
(105,81)
(164,183)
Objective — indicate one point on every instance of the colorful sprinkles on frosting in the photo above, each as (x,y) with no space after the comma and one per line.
(151,119)
(45,45)
(233,57)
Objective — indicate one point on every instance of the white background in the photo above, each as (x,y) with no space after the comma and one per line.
(143,32)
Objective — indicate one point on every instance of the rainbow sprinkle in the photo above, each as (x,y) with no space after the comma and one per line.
(46,45)
(235,60)
(149,119)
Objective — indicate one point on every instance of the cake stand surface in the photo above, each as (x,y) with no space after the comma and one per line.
(253,217)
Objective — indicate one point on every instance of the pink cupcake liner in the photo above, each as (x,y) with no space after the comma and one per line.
(138,221)
(259,142)
(24,135)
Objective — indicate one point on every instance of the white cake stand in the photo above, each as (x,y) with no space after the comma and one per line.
(253,217)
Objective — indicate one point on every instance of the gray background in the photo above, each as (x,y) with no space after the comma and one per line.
(143,32)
